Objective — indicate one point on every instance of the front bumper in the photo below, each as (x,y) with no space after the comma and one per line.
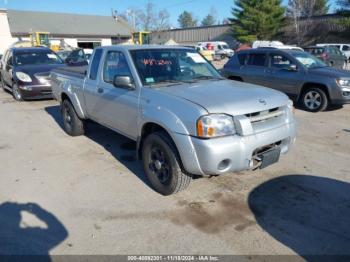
(205,157)
(36,91)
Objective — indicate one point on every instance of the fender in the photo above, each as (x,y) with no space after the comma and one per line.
(68,89)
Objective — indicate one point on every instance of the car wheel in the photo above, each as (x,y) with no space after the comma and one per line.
(2,84)
(223,57)
(73,125)
(162,165)
(16,92)
(315,100)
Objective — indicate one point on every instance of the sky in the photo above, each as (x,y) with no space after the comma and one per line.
(199,8)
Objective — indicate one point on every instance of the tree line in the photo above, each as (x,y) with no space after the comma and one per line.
(251,19)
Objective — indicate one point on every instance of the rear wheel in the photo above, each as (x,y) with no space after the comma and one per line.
(73,125)
(16,92)
(314,100)
(162,165)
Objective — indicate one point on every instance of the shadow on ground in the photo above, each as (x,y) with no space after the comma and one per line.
(19,237)
(309,214)
(120,147)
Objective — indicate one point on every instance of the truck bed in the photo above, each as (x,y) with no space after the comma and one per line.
(74,71)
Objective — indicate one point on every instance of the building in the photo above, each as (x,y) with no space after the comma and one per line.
(86,31)
(193,35)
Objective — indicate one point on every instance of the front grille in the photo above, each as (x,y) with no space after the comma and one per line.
(265,115)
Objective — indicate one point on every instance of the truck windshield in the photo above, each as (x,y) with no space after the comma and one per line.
(157,66)
(37,58)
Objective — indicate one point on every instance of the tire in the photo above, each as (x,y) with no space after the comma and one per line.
(314,100)
(2,84)
(73,125)
(162,165)
(223,57)
(16,93)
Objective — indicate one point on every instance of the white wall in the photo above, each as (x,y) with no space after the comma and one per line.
(107,41)
(5,35)
(73,42)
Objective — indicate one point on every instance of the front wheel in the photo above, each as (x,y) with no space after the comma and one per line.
(162,165)
(73,125)
(16,92)
(314,100)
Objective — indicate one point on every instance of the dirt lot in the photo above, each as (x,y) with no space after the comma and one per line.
(88,195)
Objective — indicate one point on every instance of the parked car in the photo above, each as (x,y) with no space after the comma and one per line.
(75,57)
(300,75)
(25,72)
(221,48)
(345,48)
(331,55)
(187,119)
(274,44)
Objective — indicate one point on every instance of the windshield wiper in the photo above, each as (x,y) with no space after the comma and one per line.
(208,78)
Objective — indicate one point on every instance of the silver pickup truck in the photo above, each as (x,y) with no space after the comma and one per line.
(187,120)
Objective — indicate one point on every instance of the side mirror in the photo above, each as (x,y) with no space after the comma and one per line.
(123,82)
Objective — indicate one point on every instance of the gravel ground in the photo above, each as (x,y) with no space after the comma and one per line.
(88,195)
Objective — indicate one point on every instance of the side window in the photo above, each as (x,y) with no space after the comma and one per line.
(280,62)
(346,48)
(242,58)
(115,65)
(257,59)
(95,64)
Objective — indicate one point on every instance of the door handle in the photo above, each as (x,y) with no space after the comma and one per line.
(100,90)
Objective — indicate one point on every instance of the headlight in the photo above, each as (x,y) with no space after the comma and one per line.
(343,82)
(23,77)
(215,125)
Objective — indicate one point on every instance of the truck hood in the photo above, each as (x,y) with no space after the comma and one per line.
(330,72)
(229,97)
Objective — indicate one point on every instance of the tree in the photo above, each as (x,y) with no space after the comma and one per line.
(147,19)
(208,20)
(186,20)
(162,22)
(257,19)
(300,13)
(344,11)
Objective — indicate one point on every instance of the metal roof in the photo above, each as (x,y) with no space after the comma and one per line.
(62,24)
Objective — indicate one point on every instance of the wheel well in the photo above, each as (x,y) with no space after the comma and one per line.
(236,78)
(64,96)
(148,129)
(313,85)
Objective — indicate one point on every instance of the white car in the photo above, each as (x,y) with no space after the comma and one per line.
(345,48)
(275,44)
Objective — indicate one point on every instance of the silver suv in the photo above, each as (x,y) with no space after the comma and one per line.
(300,75)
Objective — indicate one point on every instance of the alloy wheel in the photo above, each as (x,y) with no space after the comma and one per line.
(312,100)
(16,93)
(159,164)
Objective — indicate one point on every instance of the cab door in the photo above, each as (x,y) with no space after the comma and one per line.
(283,73)
(113,106)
